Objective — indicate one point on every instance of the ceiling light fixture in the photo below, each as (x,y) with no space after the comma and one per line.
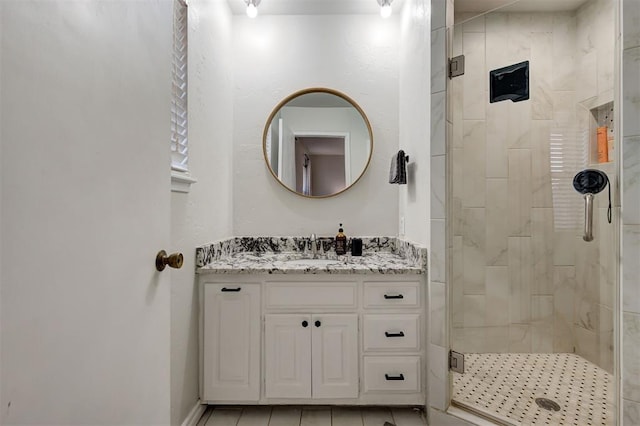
(385,8)
(252,8)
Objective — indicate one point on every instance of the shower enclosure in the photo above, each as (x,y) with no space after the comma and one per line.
(532,302)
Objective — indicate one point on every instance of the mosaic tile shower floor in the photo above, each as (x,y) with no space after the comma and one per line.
(505,386)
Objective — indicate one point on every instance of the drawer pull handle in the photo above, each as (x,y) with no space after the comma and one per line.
(399,377)
(231,289)
(305,324)
(318,323)
(393,296)
(400,334)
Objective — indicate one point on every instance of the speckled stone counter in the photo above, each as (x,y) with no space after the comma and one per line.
(290,255)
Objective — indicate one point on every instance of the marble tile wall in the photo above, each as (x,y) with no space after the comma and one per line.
(438,348)
(597,261)
(631,213)
(520,284)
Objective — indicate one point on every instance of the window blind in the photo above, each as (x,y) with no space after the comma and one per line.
(179,140)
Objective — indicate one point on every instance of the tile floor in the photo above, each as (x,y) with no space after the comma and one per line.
(310,416)
(505,386)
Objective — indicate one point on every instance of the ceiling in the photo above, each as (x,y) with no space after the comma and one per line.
(351,7)
(314,7)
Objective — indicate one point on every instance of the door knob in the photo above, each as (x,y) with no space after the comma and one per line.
(318,323)
(305,323)
(174,260)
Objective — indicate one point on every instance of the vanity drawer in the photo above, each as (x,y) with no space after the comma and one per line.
(391,294)
(399,374)
(392,332)
(297,295)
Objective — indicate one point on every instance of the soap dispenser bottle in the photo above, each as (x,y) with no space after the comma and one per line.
(341,241)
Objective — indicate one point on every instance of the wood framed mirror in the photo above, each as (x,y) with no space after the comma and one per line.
(317,142)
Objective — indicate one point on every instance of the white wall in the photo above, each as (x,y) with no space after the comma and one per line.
(275,56)
(204,214)
(85,317)
(414,107)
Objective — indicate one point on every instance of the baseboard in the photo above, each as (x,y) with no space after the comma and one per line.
(194,415)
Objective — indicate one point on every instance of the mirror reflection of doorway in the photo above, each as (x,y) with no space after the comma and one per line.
(323,114)
(320,164)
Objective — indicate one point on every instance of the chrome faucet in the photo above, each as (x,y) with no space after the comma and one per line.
(314,246)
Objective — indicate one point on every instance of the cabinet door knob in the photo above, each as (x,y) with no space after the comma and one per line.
(400,334)
(318,323)
(305,323)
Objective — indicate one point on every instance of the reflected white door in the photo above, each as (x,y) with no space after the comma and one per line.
(287,156)
(280,148)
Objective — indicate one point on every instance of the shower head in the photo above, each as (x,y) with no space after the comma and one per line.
(590,181)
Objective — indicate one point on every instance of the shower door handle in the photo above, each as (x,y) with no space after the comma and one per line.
(588,217)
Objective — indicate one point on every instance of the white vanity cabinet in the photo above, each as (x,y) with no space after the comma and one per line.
(393,338)
(231,342)
(311,356)
(352,339)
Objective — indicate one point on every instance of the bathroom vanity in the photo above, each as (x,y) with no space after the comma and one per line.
(278,327)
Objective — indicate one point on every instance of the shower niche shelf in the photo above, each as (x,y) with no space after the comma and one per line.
(601,120)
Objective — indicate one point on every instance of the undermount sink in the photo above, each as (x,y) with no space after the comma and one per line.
(311,262)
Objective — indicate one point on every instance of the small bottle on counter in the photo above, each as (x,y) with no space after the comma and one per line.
(341,241)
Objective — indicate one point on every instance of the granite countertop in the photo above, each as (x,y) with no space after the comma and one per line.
(291,255)
(294,263)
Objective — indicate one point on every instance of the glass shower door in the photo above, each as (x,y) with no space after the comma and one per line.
(531,302)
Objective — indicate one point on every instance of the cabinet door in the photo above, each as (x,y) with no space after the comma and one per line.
(287,356)
(335,356)
(231,355)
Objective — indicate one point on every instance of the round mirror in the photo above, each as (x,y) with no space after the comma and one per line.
(317,142)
